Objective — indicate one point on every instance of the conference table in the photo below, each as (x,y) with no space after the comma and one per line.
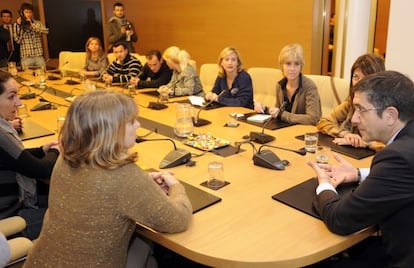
(247,228)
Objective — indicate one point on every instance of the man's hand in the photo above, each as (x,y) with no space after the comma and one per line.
(343,172)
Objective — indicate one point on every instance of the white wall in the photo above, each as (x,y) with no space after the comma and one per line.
(352,36)
(400,43)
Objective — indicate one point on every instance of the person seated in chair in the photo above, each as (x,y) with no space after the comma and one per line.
(96,60)
(184,80)
(297,97)
(98,193)
(233,85)
(124,67)
(24,172)
(338,123)
(155,72)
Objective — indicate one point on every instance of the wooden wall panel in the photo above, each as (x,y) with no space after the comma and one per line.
(259,29)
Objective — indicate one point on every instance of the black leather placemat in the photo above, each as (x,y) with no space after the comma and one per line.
(155,93)
(357,153)
(272,125)
(169,132)
(301,196)
(199,199)
(32,130)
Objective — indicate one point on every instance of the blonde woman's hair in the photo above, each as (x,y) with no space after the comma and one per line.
(224,53)
(291,52)
(94,130)
(88,52)
(178,56)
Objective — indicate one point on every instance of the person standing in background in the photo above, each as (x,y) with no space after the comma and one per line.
(9,50)
(28,33)
(119,29)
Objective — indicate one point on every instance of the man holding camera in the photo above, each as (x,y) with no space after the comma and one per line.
(119,29)
(28,33)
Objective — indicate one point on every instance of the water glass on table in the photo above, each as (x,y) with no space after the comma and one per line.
(311,141)
(216,175)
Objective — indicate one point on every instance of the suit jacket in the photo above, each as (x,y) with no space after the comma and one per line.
(384,198)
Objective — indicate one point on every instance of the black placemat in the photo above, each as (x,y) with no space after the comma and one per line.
(357,153)
(32,130)
(301,196)
(272,125)
(169,132)
(199,199)
(155,93)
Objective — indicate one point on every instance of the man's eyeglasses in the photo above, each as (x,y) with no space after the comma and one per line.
(360,110)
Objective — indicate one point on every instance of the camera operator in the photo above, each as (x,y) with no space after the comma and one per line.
(119,29)
(28,33)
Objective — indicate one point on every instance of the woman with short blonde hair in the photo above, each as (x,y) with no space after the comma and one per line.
(297,97)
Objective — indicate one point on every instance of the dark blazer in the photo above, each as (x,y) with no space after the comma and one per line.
(384,198)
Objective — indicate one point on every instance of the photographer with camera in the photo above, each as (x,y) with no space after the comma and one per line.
(28,33)
(119,29)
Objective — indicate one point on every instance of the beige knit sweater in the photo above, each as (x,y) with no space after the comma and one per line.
(92,214)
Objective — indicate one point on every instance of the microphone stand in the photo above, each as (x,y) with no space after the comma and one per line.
(301,151)
(261,137)
(197,121)
(264,158)
(172,159)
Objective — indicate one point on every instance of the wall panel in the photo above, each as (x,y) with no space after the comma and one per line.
(259,29)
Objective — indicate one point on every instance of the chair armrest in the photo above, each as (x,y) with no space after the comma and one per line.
(19,247)
(12,225)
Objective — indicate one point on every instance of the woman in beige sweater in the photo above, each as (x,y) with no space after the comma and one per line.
(97,192)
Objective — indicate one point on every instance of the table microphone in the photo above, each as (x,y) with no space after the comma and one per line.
(264,158)
(174,158)
(261,137)
(28,95)
(197,121)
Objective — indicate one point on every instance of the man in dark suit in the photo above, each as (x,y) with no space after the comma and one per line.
(385,197)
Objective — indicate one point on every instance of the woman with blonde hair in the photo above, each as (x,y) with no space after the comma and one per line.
(338,124)
(297,97)
(98,193)
(96,60)
(233,85)
(184,79)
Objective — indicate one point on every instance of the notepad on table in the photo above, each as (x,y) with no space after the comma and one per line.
(196,100)
(259,118)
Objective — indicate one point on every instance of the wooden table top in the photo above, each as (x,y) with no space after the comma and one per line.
(247,228)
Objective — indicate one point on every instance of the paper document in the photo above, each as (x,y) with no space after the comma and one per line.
(197,100)
(259,118)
